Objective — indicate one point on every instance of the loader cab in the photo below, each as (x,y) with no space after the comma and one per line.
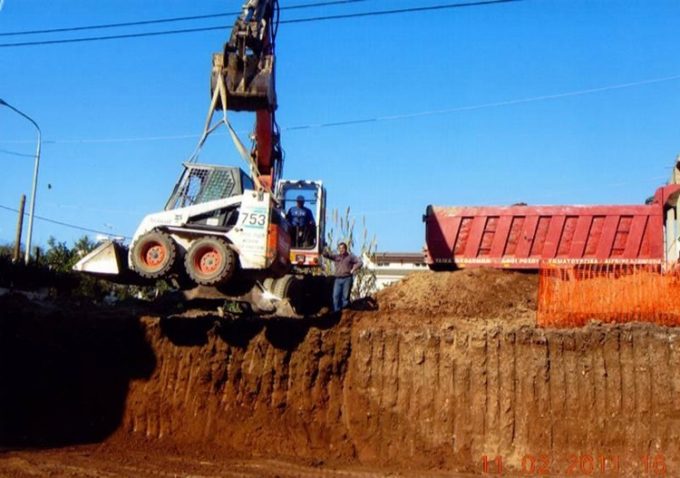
(200,183)
(307,243)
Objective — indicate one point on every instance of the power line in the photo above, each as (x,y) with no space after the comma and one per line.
(398,11)
(124,140)
(296,20)
(113,37)
(169,20)
(14,153)
(496,104)
(65,224)
(375,119)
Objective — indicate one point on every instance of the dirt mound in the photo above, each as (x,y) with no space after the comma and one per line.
(468,293)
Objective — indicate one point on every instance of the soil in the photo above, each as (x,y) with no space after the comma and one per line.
(448,370)
(427,298)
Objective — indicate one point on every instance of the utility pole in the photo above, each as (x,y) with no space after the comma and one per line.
(35,177)
(20,224)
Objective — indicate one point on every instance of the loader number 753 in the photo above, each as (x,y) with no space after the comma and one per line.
(253,219)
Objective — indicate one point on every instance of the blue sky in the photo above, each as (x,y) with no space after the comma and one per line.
(601,82)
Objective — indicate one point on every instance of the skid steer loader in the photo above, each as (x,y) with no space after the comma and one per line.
(223,232)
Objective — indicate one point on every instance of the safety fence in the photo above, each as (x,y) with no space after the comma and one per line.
(573,296)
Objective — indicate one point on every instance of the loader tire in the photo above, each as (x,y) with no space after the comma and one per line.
(153,254)
(210,261)
(282,285)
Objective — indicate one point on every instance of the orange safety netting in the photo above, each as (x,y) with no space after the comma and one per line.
(573,296)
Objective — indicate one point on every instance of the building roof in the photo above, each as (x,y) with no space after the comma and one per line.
(403,257)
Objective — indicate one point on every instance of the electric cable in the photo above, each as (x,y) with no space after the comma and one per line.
(167,20)
(65,224)
(291,21)
(14,153)
(375,119)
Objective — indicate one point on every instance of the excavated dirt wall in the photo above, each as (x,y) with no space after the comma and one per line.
(450,396)
(423,397)
(409,385)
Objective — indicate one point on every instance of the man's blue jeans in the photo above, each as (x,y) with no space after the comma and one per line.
(341,289)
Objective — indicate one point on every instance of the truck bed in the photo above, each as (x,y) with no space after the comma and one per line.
(524,237)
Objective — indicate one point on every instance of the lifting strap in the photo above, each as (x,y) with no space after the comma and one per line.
(220,94)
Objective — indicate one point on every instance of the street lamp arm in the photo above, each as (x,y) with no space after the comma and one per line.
(4,103)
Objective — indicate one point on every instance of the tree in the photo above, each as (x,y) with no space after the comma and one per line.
(6,250)
(59,257)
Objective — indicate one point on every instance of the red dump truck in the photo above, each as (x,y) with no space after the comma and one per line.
(522,237)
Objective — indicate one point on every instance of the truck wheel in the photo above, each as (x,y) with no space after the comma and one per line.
(210,261)
(153,254)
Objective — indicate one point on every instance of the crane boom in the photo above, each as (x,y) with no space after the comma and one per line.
(246,69)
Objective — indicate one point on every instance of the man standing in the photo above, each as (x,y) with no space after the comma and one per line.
(346,265)
(302,220)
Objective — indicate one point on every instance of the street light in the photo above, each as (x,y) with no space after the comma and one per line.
(27,257)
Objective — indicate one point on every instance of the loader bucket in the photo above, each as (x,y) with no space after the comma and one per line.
(109,261)
(109,258)
(249,85)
